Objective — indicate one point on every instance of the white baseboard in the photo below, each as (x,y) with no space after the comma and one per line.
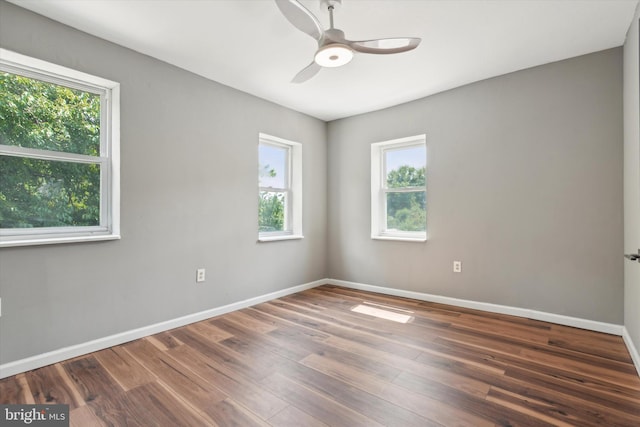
(55,356)
(38,361)
(608,328)
(632,349)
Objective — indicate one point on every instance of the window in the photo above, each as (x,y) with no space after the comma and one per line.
(59,154)
(280,189)
(398,189)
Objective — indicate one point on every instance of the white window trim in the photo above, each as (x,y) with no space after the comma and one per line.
(378,191)
(109,159)
(293,215)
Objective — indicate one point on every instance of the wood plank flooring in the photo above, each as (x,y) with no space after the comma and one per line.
(308,360)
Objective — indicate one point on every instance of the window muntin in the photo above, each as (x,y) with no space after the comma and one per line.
(280,189)
(59,154)
(398,189)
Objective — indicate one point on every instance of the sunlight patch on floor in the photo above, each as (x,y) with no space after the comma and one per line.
(373,309)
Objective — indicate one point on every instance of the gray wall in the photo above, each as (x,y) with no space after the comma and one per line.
(632,183)
(524,187)
(189,200)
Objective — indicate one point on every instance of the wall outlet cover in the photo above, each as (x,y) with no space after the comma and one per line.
(457,266)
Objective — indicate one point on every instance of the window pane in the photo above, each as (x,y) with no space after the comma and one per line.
(272,170)
(43,193)
(405,167)
(406,211)
(271,211)
(46,116)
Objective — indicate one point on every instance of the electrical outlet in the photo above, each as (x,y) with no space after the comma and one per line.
(200,275)
(457,266)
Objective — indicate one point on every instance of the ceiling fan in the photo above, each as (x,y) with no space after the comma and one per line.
(334,50)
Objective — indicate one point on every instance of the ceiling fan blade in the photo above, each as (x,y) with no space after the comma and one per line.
(306,73)
(385,46)
(301,18)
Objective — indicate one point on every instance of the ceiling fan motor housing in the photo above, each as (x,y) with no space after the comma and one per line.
(333,35)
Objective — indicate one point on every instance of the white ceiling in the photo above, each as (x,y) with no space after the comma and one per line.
(249,45)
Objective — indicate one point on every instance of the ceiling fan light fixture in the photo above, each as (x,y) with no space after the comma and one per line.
(334,55)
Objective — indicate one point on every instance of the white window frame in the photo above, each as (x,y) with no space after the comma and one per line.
(109,158)
(292,191)
(379,190)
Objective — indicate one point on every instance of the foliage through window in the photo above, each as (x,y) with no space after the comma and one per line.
(280,186)
(58,154)
(398,189)
(274,187)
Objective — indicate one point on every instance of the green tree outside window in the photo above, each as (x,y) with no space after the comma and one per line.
(37,192)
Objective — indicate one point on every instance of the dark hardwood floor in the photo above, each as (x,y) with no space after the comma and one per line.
(308,360)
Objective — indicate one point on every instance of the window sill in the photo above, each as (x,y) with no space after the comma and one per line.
(280,237)
(401,238)
(55,240)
